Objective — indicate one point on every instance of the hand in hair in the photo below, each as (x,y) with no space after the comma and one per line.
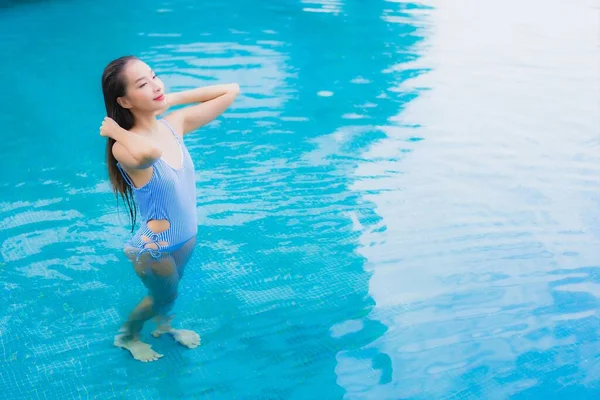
(109,128)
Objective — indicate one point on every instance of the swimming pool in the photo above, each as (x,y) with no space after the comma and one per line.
(403,202)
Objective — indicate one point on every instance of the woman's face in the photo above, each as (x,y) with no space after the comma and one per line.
(144,91)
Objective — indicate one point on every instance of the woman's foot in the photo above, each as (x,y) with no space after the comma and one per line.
(187,338)
(139,350)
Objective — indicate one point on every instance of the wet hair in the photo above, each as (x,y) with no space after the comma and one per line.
(113,87)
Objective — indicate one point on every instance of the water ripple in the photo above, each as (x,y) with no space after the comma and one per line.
(394,206)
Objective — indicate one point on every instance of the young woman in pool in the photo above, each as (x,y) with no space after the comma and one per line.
(150,167)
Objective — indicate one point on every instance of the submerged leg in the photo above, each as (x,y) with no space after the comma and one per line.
(184,337)
(129,334)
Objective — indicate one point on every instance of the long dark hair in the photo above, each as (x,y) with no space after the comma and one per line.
(113,87)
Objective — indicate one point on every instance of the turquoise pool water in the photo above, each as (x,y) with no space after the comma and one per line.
(402,204)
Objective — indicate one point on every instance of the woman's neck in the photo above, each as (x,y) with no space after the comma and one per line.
(145,123)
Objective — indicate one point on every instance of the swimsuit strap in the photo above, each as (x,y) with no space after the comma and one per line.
(171,129)
(125,175)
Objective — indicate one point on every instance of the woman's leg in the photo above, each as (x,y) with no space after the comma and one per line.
(160,277)
(188,338)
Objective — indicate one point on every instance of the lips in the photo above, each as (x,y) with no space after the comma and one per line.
(159,98)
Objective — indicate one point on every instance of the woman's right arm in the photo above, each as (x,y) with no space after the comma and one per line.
(130,149)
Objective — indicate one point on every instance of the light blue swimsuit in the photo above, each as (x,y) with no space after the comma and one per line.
(169,195)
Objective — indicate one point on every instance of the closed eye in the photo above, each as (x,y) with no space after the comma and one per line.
(145,83)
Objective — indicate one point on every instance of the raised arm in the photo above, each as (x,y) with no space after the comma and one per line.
(130,149)
(214,100)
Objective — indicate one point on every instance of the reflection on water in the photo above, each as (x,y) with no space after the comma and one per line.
(484,261)
(323,6)
(399,205)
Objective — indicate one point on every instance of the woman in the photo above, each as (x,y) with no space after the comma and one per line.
(150,167)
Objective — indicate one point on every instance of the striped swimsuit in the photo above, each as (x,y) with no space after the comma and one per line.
(169,195)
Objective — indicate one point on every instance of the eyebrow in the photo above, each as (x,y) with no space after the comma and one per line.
(143,77)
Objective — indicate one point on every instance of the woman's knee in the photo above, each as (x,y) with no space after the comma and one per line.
(164,303)
(148,302)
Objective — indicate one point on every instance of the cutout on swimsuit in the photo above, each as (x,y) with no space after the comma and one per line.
(156,226)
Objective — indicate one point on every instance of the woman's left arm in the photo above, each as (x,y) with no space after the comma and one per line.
(214,100)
